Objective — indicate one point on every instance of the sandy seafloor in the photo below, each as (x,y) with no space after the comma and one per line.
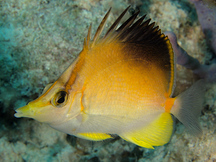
(40,38)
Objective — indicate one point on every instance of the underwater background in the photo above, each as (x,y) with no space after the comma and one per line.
(39,39)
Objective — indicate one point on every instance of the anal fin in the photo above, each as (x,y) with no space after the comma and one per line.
(156,133)
(94,136)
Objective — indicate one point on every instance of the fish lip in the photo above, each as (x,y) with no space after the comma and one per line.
(18,114)
(24,111)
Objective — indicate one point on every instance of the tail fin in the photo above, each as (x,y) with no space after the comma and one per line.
(187,107)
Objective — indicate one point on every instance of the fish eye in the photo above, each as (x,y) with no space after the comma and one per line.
(60,99)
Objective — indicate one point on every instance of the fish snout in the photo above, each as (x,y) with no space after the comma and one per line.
(24,111)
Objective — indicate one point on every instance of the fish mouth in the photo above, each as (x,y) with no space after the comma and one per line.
(24,111)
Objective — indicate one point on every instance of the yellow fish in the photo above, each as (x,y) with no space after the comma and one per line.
(122,84)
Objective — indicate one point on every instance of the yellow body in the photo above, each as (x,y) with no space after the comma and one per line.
(120,84)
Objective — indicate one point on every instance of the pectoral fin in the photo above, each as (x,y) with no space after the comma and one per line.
(155,134)
(94,136)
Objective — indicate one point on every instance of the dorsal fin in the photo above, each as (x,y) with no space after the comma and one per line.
(100,28)
(116,23)
(143,37)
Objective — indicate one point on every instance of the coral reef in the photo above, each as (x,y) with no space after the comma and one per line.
(206,11)
(40,38)
(207,72)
